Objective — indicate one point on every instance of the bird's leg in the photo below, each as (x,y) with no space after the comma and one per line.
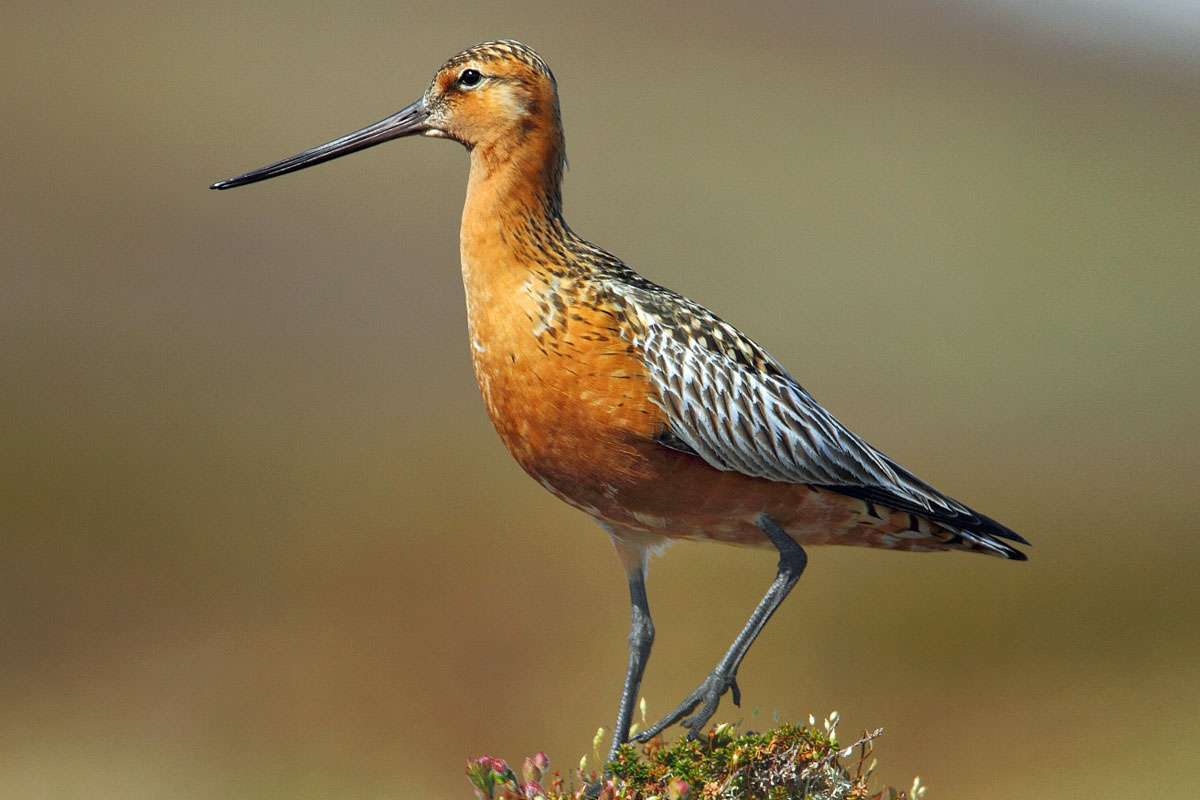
(707,695)
(641,637)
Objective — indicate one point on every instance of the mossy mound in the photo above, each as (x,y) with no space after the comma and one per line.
(790,762)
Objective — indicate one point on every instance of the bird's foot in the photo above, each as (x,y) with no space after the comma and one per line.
(707,696)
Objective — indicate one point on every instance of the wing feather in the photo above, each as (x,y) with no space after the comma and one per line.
(737,408)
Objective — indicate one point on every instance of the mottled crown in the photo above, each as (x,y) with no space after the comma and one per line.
(502,50)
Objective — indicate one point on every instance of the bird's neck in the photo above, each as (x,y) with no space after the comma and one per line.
(512,242)
(514,200)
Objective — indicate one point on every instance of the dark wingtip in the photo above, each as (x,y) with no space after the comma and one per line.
(1015,555)
(996,529)
(995,546)
(986,524)
(1019,539)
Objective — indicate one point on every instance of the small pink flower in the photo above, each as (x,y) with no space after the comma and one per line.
(679,789)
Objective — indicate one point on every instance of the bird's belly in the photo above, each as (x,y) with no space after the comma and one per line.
(685,498)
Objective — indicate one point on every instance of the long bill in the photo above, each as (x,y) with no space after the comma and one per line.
(407,121)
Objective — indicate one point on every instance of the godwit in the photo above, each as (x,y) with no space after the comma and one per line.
(629,401)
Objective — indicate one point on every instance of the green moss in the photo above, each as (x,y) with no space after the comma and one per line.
(790,762)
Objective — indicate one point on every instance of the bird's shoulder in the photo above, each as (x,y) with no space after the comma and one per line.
(657,314)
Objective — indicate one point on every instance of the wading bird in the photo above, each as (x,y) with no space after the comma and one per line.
(629,401)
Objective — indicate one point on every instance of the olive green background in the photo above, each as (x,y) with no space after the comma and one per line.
(259,539)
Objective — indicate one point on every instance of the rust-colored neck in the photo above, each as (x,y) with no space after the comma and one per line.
(512,230)
(515,185)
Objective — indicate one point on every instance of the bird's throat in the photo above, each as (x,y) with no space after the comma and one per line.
(515,177)
(512,217)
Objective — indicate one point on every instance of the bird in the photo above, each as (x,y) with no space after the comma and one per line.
(631,402)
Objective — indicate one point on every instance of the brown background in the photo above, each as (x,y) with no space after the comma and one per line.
(259,539)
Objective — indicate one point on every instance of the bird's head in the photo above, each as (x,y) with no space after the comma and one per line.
(497,98)
(493,92)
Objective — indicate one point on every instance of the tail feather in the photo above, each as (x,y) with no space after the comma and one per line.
(967,527)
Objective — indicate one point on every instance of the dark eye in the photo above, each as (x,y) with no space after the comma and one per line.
(469,78)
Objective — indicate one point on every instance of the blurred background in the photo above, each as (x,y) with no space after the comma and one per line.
(261,541)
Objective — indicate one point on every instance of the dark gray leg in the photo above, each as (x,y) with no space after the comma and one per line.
(723,678)
(641,637)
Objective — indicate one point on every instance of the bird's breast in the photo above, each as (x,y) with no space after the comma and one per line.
(563,386)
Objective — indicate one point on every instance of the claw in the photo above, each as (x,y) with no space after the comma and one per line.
(689,703)
(695,724)
(707,696)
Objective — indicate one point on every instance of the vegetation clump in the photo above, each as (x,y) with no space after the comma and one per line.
(790,762)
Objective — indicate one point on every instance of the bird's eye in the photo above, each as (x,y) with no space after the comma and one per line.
(469,78)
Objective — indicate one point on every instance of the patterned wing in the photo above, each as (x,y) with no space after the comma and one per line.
(733,405)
